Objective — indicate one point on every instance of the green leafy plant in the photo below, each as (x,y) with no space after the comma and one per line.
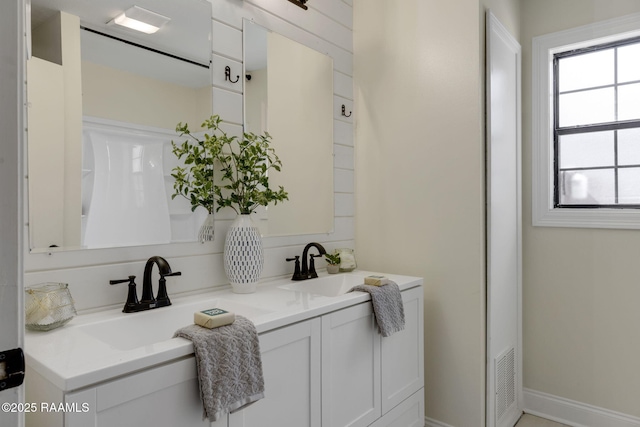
(244,162)
(332,259)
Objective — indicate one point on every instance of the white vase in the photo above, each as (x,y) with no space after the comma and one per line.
(243,255)
(206,229)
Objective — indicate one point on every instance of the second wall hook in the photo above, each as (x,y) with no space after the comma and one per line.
(344,111)
(227,75)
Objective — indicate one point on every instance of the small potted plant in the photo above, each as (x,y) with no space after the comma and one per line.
(245,164)
(333,263)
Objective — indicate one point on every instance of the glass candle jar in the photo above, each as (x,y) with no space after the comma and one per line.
(48,306)
(347,259)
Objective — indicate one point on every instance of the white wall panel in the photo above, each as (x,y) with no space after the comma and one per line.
(338,10)
(343,109)
(227,40)
(313,22)
(343,156)
(228,105)
(343,85)
(218,65)
(343,181)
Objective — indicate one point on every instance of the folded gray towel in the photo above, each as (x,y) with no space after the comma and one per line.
(387,306)
(229,366)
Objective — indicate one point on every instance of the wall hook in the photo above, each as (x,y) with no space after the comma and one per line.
(344,109)
(227,75)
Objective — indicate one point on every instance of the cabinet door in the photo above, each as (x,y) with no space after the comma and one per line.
(350,367)
(403,354)
(168,396)
(291,367)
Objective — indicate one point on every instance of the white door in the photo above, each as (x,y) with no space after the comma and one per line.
(11,116)
(504,217)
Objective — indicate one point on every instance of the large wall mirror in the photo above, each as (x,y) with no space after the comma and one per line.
(104,101)
(288,92)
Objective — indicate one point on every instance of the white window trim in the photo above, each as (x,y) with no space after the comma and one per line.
(544,47)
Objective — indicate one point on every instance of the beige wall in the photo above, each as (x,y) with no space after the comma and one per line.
(107,93)
(419,180)
(581,286)
(419,70)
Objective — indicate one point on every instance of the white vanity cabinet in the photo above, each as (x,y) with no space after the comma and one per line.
(331,370)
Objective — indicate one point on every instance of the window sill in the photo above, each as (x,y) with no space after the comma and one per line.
(587,218)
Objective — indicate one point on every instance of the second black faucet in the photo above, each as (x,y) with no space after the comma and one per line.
(308,271)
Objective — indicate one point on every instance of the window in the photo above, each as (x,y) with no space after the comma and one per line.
(597,126)
(586,126)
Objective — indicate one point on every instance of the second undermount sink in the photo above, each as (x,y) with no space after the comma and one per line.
(328,286)
(145,328)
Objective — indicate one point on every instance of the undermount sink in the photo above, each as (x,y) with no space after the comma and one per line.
(328,286)
(146,328)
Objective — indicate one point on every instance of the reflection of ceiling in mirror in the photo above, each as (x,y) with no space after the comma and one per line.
(125,57)
(182,36)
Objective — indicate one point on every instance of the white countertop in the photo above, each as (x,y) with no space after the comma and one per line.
(96,347)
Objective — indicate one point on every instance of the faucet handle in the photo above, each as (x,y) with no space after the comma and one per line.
(175,273)
(162,298)
(296,273)
(115,282)
(312,266)
(132,303)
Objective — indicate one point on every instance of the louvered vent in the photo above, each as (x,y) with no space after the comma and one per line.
(505,371)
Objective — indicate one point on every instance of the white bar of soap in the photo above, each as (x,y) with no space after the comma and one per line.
(213,318)
(376,280)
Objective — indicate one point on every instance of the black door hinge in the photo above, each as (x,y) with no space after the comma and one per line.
(11,368)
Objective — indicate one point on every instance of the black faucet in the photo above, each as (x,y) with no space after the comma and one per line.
(162,298)
(147,302)
(308,270)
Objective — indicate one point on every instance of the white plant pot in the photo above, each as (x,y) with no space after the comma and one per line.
(243,255)
(206,232)
(333,268)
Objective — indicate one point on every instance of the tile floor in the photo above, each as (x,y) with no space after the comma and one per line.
(528,420)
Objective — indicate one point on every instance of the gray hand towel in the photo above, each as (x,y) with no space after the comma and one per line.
(387,306)
(229,366)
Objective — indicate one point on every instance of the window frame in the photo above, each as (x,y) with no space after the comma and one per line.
(544,211)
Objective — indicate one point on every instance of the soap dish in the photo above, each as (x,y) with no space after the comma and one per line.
(48,306)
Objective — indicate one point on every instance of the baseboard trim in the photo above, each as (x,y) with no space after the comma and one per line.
(430,422)
(573,413)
